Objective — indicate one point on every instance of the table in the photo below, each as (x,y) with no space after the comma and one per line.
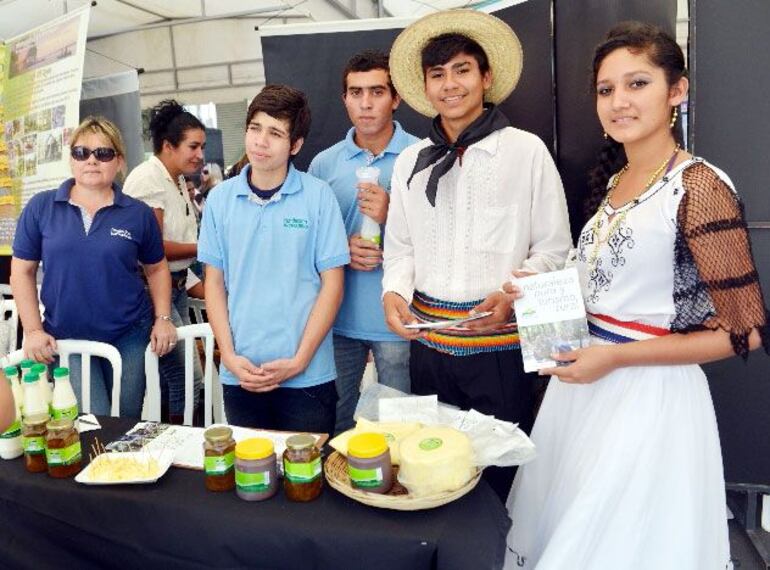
(176,523)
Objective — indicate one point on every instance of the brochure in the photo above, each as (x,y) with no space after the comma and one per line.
(551,317)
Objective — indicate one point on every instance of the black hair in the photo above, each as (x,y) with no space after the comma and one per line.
(169,122)
(663,52)
(283,102)
(441,49)
(367,60)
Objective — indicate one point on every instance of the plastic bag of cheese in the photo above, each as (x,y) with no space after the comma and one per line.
(436,459)
(394,432)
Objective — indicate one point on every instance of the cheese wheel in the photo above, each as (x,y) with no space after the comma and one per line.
(434,460)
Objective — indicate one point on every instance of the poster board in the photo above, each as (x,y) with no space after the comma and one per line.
(40,82)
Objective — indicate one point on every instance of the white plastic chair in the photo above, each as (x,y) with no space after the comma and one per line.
(212,391)
(87,349)
(10,318)
(12,359)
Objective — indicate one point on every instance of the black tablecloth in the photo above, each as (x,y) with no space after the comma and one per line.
(176,523)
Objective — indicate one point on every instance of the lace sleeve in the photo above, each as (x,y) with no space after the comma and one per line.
(716,281)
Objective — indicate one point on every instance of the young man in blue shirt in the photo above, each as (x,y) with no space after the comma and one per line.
(374,140)
(274,246)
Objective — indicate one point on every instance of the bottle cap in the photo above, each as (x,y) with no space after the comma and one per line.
(11,371)
(61,371)
(39,368)
(31,377)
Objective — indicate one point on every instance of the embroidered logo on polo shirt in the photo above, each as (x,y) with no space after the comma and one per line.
(295,223)
(121,233)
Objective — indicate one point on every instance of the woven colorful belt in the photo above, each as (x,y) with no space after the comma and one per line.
(618,332)
(459,341)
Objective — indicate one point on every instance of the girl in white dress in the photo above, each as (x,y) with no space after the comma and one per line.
(629,468)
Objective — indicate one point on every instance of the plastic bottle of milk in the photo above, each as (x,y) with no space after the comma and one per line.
(370,229)
(64,403)
(10,440)
(12,373)
(45,388)
(34,401)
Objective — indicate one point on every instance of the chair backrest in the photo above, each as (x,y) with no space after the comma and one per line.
(197,306)
(12,359)
(5,289)
(87,349)
(212,391)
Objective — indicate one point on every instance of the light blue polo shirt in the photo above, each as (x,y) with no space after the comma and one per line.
(272,253)
(361,315)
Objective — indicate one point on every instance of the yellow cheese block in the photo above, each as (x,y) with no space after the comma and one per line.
(434,460)
(394,432)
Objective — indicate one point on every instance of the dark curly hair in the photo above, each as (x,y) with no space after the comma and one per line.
(169,122)
(663,52)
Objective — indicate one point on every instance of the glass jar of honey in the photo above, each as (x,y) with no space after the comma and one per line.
(302,480)
(33,432)
(63,451)
(219,458)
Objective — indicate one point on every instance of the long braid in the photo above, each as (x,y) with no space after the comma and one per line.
(612,157)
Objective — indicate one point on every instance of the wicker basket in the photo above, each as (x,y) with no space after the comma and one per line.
(336,469)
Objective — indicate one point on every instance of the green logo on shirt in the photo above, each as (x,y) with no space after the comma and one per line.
(296,223)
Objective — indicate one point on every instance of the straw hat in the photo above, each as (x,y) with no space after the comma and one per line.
(496,38)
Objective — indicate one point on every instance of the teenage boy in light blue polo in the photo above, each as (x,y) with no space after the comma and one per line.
(274,246)
(374,140)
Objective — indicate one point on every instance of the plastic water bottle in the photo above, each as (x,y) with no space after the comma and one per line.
(34,400)
(64,403)
(370,229)
(10,440)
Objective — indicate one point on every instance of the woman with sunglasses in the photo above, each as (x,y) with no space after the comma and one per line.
(91,238)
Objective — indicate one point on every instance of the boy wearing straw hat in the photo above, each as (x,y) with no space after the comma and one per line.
(375,140)
(475,201)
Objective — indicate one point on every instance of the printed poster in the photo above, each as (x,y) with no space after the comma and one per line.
(41,72)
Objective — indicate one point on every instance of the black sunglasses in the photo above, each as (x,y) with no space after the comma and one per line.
(102,154)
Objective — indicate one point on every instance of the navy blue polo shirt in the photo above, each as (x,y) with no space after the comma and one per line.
(92,288)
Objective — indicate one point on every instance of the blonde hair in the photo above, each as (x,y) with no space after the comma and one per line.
(99,125)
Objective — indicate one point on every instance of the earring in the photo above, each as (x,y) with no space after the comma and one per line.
(606,136)
(674,116)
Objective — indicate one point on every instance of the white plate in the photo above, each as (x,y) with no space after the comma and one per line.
(163,459)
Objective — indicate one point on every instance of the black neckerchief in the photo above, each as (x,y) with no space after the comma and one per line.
(491,120)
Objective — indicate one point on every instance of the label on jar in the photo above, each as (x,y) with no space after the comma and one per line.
(365,477)
(219,464)
(69,413)
(13,431)
(64,456)
(302,472)
(33,444)
(252,482)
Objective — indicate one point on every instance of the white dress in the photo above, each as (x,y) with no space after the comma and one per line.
(629,468)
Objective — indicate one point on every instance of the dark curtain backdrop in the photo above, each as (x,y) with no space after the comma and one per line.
(729,44)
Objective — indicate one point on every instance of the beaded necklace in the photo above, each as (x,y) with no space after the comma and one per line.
(620,215)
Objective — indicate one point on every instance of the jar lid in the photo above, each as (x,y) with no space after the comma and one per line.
(217,434)
(36,419)
(31,377)
(254,448)
(300,441)
(367,445)
(61,423)
(11,371)
(61,371)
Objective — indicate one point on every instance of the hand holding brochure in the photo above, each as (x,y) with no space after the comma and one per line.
(551,317)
